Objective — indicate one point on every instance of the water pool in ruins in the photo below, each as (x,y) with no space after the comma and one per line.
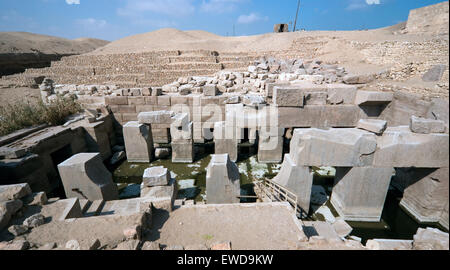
(191,178)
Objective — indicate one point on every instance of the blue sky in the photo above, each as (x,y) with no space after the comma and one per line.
(114,19)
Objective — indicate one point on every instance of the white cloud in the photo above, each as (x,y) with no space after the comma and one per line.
(251,18)
(91,23)
(73,2)
(373,2)
(362,4)
(173,8)
(220,6)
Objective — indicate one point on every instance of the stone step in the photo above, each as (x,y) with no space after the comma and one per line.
(85,204)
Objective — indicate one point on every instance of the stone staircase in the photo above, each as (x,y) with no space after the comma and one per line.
(138,69)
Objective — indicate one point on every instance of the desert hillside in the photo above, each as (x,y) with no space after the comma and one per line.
(20,50)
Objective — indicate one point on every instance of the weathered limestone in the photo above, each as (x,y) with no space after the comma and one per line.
(372,125)
(210,90)
(181,131)
(341,94)
(72,209)
(138,142)
(426,194)
(85,177)
(225,141)
(156,176)
(14,192)
(156,117)
(359,78)
(399,147)
(426,126)
(342,228)
(161,197)
(373,98)
(359,193)
(333,147)
(222,181)
(97,138)
(270,147)
(288,97)
(297,179)
(430,239)
(389,244)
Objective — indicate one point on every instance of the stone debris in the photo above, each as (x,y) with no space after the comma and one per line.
(38,198)
(221,246)
(15,245)
(373,125)
(389,244)
(430,239)
(156,176)
(14,192)
(18,230)
(426,126)
(34,221)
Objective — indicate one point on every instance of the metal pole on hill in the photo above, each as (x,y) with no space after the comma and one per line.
(296,15)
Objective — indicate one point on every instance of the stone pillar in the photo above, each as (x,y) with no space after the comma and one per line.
(270,147)
(359,193)
(85,177)
(138,142)
(225,141)
(182,139)
(426,194)
(297,179)
(222,181)
(97,139)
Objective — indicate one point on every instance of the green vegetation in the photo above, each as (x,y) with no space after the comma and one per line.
(24,114)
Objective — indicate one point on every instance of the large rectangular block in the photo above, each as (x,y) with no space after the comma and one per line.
(288,96)
(426,126)
(270,146)
(341,93)
(333,147)
(222,181)
(359,193)
(183,152)
(319,116)
(155,117)
(138,142)
(297,179)
(85,177)
(399,147)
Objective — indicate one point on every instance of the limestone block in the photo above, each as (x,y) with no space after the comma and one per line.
(435,73)
(426,126)
(426,193)
(342,228)
(373,125)
(333,147)
(297,179)
(316,98)
(222,181)
(97,139)
(359,193)
(341,94)
(168,192)
(183,152)
(359,79)
(288,97)
(138,142)
(399,147)
(155,117)
(430,239)
(84,176)
(270,147)
(439,110)
(181,132)
(443,221)
(156,176)
(319,116)
(373,98)
(210,90)
(270,86)
(14,192)
(389,244)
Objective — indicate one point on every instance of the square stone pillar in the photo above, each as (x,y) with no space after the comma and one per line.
(225,141)
(297,179)
(359,193)
(138,142)
(270,147)
(84,176)
(181,131)
(222,181)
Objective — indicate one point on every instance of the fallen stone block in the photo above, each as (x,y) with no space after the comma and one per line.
(333,147)
(222,180)
(430,239)
(389,244)
(18,230)
(155,117)
(341,94)
(426,126)
(371,98)
(14,192)
(372,125)
(85,176)
(39,198)
(34,221)
(138,142)
(401,148)
(359,193)
(156,176)
(359,79)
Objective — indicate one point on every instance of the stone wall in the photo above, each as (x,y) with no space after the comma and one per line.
(429,19)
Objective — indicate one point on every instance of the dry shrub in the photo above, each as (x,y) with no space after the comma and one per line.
(23,114)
